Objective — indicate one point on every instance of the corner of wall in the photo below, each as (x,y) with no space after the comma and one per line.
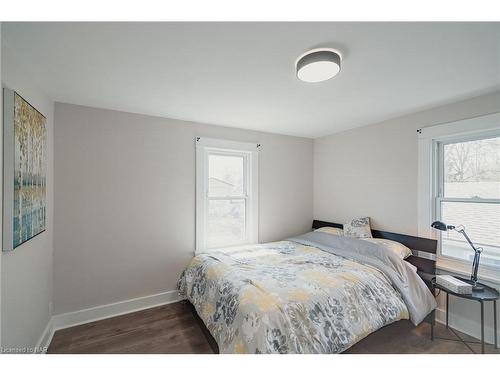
(27,272)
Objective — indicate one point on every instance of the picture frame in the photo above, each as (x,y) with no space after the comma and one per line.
(24,171)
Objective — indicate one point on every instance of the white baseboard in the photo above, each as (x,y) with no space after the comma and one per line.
(45,339)
(470,327)
(93,314)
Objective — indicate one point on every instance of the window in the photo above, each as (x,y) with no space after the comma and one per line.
(468,194)
(226,193)
(459,184)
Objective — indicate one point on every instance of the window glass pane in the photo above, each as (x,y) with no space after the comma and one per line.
(225,222)
(482,224)
(225,175)
(472,169)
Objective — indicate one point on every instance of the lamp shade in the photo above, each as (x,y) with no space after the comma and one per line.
(439,225)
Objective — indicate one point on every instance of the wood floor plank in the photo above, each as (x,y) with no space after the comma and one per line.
(176,329)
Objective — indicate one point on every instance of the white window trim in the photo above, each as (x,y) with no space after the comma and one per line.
(428,139)
(205,145)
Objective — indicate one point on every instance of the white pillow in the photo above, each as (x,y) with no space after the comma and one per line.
(358,228)
(331,230)
(396,247)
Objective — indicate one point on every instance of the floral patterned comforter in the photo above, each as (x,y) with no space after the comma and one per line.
(284,297)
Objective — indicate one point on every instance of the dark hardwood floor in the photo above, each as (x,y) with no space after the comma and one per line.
(165,329)
(175,328)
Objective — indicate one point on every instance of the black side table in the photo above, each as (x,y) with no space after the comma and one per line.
(488,294)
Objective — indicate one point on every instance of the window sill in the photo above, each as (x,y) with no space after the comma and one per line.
(488,276)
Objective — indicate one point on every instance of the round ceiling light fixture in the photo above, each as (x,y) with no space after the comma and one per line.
(318,65)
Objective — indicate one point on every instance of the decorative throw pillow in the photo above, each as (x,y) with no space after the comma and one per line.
(358,228)
(331,230)
(396,247)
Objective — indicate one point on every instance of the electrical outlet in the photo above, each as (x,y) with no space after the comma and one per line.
(50,308)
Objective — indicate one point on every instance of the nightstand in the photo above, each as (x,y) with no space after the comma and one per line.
(488,294)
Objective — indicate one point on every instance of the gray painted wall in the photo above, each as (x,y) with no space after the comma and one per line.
(125,200)
(27,272)
(372,171)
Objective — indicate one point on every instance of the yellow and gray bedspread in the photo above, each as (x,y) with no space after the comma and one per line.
(289,297)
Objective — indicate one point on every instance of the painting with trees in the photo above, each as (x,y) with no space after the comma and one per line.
(29,204)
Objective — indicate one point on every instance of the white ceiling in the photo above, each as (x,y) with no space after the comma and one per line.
(242,74)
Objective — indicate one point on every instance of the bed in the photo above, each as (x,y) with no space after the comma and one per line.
(315,293)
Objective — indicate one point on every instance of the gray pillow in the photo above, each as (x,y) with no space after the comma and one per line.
(358,228)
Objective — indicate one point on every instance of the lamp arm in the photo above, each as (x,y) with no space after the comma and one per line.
(477,255)
(468,239)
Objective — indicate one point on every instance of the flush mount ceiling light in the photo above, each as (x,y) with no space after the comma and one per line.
(318,65)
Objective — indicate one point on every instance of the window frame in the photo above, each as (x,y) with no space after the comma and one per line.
(250,194)
(431,141)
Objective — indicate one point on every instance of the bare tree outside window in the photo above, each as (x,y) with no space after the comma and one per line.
(473,161)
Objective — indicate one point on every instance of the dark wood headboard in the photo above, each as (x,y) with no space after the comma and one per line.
(423,249)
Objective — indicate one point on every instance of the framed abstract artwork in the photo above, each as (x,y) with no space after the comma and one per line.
(24,171)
